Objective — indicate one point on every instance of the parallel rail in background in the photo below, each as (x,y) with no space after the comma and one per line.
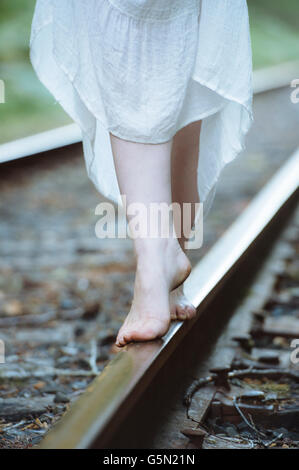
(264,80)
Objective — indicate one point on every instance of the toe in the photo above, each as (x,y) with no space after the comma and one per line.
(120,341)
(132,335)
(181,312)
(191,311)
(173,313)
(126,339)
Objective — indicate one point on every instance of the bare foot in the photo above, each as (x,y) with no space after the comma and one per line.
(160,269)
(180,306)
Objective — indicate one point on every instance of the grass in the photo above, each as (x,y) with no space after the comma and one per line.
(274,31)
(29,107)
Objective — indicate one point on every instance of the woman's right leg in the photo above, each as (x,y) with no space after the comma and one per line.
(144,177)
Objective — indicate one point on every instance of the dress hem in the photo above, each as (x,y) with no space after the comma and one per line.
(86,101)
(206,191)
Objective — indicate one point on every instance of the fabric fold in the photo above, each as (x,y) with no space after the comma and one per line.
(144,78)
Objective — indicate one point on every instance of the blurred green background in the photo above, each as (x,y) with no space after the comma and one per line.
(29,108)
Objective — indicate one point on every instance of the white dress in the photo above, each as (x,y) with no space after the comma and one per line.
(143,69)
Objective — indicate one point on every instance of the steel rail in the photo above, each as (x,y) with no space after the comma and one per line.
(265,79)
(276,76)
(96,415)
(40,143)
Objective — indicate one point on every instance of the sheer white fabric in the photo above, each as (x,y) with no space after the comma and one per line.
(143,69)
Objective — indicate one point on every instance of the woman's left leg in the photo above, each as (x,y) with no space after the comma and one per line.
(184,163)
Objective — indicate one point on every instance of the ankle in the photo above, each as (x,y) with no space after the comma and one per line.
(153,247)
(165,259)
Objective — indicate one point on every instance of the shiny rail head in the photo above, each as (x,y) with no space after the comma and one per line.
(39,143)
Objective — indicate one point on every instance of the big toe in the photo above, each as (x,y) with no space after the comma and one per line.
(120,339)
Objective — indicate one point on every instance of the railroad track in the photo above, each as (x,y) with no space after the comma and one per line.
(127,392)
(247,394)
(114,410)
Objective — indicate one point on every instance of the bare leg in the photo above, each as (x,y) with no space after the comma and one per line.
(144,176)
(184,162)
